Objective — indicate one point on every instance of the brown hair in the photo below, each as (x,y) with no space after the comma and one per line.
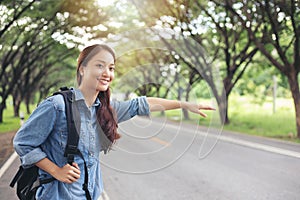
(105,114)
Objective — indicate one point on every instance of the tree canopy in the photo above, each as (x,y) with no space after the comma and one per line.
(182,43)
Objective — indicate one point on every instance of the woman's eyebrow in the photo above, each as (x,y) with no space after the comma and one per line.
(100,61)
(104,62)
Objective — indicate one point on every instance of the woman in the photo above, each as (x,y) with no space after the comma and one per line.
(42,139)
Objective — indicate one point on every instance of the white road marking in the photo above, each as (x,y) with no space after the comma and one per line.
(241,142)
(254,145)
(105,196)
(260,146)
(8,163)
(14,156)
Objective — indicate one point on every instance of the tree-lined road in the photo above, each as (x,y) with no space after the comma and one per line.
(161,160)
(230,171)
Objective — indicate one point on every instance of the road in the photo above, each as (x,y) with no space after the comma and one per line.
(162,160)
(180,162)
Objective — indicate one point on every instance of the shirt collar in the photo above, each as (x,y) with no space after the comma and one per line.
(79,96)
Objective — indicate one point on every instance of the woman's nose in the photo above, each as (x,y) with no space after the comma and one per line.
(105,71)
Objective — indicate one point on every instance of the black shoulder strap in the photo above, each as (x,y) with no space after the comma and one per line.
(73,136)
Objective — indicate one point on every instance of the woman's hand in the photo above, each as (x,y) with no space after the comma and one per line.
(196,108)
(68,173)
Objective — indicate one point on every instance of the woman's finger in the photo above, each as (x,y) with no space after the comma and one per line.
(202,114)
(206,107)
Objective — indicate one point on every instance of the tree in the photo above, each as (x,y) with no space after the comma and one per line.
(213,28)
(25,43)
(237,50)
(36,40)
(274,27)
(19,8)
(149,72)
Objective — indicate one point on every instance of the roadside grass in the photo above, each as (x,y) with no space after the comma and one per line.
(11,123)
(257,118)
(246,115)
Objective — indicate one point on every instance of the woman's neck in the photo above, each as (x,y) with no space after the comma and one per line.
(89,96)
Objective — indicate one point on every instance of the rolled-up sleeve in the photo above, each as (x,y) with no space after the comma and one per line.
(125,110)
(33,133)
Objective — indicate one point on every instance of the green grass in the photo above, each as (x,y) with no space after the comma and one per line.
(263,124)
(11,123)
(258,118)
(251,117)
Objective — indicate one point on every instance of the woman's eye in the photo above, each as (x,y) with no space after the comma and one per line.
(100,65)
(112,69)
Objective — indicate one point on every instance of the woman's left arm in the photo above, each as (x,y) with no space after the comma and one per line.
(159,104)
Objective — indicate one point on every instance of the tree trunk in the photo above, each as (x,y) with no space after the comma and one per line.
(27,103)
(185,114)
(28,108)
(226,118)
(2,107)
(223,108)
(224,112)
(222,101)
(294,87)
(16,103)
(187,95)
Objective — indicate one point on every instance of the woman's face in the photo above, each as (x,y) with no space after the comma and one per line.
(99,71)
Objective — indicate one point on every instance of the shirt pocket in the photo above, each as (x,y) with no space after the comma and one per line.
(63,137)
(61,131)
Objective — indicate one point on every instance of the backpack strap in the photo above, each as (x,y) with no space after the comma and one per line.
(16,177)
(73,136)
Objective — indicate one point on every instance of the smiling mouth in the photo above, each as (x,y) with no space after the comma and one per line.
(103,81)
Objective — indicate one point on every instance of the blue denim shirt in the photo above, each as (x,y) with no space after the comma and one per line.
(45,135)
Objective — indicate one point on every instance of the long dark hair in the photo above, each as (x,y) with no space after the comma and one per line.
(106,116)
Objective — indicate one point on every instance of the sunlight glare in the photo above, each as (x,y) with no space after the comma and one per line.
(104,3)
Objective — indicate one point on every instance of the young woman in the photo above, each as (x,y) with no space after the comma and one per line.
(42,139)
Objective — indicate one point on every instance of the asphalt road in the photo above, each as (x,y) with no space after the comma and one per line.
(160,160)
(169,162)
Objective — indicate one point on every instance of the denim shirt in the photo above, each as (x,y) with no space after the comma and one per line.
(44,134)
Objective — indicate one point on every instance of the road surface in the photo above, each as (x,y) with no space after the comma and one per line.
(162,160)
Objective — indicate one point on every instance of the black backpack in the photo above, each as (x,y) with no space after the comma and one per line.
(27,178)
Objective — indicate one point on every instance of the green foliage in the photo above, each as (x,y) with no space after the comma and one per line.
(258,81)
(202,90)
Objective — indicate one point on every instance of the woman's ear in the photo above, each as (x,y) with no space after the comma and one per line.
(81,71)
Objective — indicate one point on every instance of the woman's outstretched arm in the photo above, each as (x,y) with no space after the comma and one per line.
(159,104)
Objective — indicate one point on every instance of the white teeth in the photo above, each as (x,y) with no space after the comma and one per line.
(104,80)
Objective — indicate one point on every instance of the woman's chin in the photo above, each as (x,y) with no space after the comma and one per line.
(102,88)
